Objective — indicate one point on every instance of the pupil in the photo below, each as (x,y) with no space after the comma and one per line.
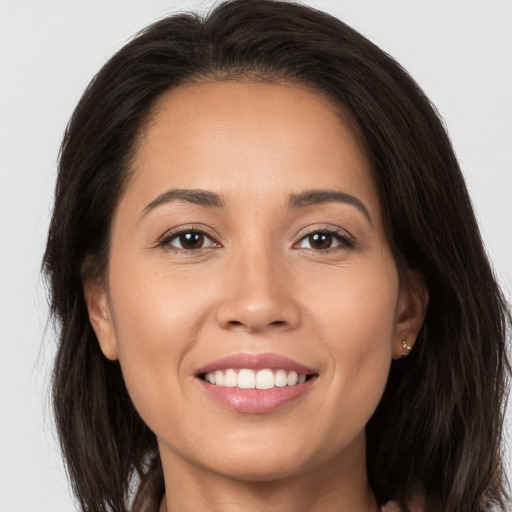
(320,241)
(191,240)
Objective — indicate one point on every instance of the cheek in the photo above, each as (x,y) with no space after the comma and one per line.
(356,306)
(156,324)
(356,321)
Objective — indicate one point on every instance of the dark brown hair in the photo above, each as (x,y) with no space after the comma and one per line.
(438,428)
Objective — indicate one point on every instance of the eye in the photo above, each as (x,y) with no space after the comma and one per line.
(325,239)
(190,240)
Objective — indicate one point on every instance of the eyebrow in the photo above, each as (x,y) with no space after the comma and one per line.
(194,196)
(295,201)
(315,197)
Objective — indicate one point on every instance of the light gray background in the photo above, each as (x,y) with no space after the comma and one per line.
(460,51)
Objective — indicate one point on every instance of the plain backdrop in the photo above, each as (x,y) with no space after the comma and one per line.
(460,51)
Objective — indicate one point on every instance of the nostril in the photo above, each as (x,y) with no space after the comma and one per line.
(252,326)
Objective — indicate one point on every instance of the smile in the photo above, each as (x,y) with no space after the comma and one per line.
(255,383)
(246,378)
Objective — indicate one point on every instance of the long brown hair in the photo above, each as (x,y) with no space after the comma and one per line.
(438,427)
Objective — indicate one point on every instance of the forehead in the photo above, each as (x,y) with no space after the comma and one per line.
(250,137)
(251,106)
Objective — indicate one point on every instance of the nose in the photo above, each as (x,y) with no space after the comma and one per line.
(257,295)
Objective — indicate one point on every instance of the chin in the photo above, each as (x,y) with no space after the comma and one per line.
(258,464)
(259,471)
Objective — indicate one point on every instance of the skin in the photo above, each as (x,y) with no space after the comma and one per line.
(256,285)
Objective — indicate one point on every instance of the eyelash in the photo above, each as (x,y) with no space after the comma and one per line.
(165,241)
(344,240)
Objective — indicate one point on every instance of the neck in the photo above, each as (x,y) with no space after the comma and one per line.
(339,485)
(370,505)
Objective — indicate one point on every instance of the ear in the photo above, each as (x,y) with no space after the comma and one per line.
(411,308)
(100,316)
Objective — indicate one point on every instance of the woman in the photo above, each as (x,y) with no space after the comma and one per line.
(269,279)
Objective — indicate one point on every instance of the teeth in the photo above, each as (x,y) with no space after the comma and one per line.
(230,379)
(246,379)
(280,379)
(249,379)
(292,379)
(264,379)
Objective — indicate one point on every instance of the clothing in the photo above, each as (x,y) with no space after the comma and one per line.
(391,506)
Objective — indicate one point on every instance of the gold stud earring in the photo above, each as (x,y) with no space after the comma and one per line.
(405,348)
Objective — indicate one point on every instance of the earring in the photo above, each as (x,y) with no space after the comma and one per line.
(405,348)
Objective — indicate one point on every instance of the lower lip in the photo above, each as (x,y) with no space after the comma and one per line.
(256,400)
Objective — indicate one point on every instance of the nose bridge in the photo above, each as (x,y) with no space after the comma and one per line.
(258,271)
(257,295)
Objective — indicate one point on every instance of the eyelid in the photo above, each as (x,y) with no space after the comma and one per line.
(164,240)
(347,241)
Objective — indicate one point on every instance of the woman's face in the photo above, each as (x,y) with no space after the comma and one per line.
(249,248)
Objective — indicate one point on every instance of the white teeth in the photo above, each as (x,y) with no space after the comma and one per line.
(250,379)
(230,379)
(264,379)
(280,379)
(219,378)
(292,379)
(246,379)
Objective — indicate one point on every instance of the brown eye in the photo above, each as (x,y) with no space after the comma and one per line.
(320,241)
(189,241)
(325,240)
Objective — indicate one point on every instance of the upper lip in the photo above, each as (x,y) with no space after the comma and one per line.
(256,362)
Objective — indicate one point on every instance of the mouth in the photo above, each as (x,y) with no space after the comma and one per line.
(255,383)
(247,378)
